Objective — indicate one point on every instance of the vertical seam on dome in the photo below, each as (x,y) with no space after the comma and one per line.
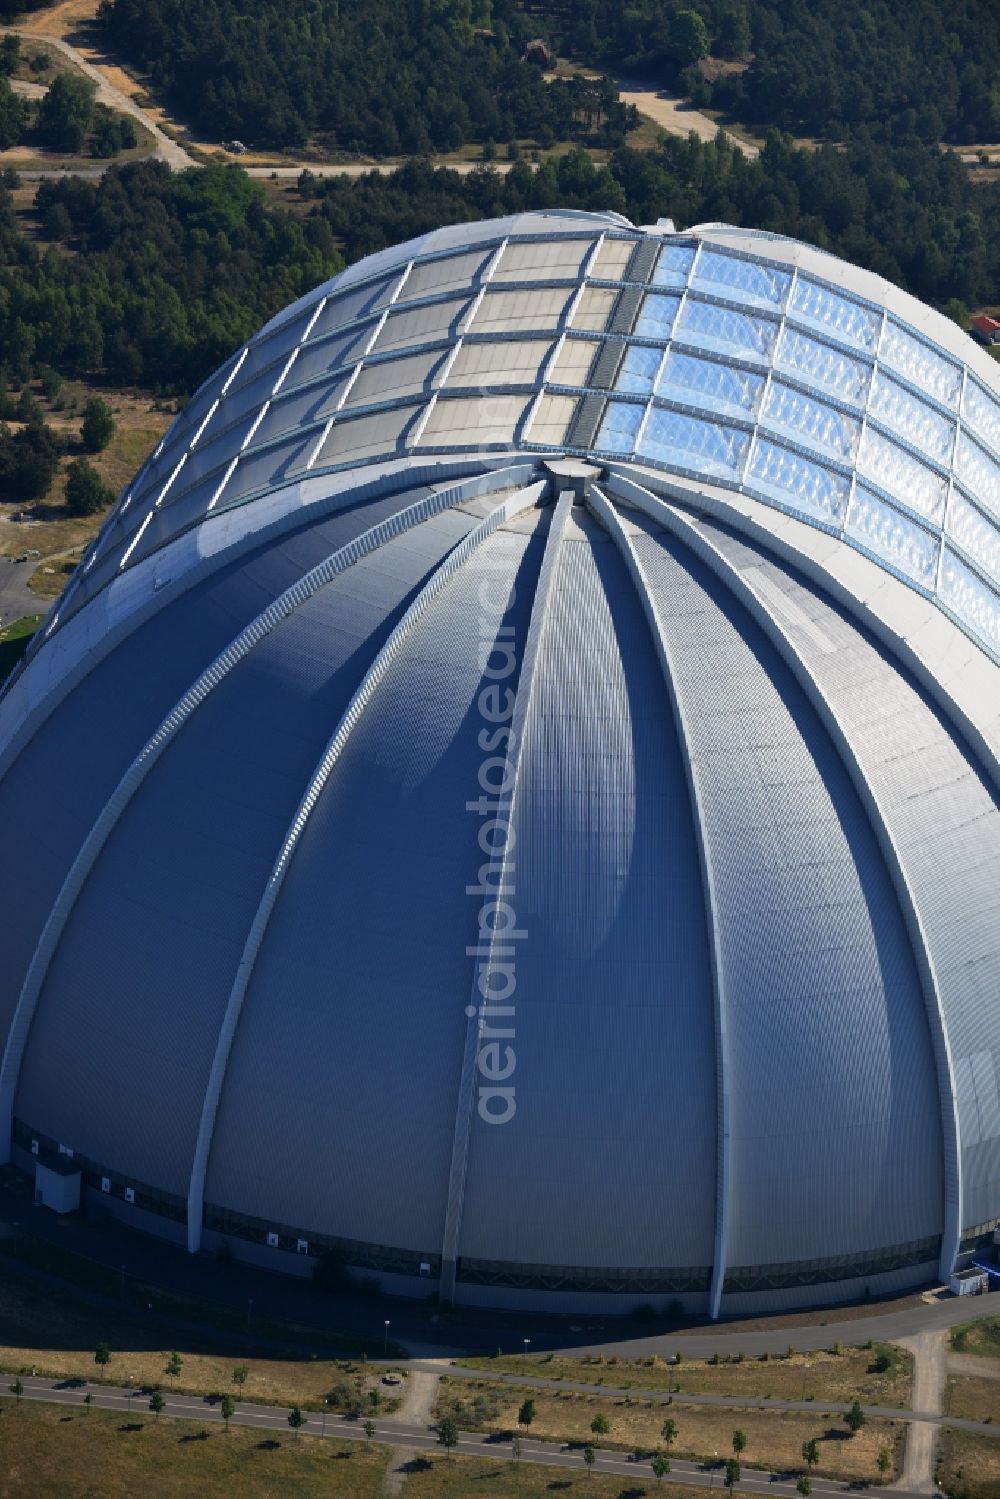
(363,695)
(461,1136)
(609,518)
(238,649)
(689,533)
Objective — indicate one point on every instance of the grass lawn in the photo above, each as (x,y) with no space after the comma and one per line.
(48,1453)
(14,642)
(434,1477)
(968,1466)
(797,1376)
(774,1438)
(973,1397)
(981,1336)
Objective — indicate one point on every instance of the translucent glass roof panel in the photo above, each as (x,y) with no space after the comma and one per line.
(265,468)
(521,311)
(704,382)
(314,360)
(431,323)
(274,349)
(912,418)
(902,475)
(834,313)
(542,260)
(897,540)
(518,362)
(798,482)
(207,459)
(920,364)
(726,331)
(978,472)
(686,442)
(674,265)
(594,308)
(656,316)
(248,398)
(970,598)
(976,535)
(638,369)
(983,413)
(818,364)
(470,423)
(572,363)
(742,280)
(811,421)
(620,427)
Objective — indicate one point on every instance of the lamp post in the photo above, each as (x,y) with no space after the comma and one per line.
(387,1337)
(326,1402)
(524,1361)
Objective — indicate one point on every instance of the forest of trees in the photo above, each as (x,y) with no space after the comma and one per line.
(171,272)
(378,76)
(817,67)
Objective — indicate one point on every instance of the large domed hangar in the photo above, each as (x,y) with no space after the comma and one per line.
(510,797)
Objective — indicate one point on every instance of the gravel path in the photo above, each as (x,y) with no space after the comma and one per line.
(928,1349)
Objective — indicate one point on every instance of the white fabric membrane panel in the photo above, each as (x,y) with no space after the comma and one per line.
(430,323)
(976,535)
(705,382)
(542,260)
(912,418)
(572,363)
(833,313)
(429,278)
(799,483)
(594,308)
(920,364)
(394,378)
(681,441)
(816,363)
(298,410)
(742,280)
(314,360)
(612,259)
(892,536)
(811,421)
(906,478)
(726,331)
(521,311)
(361,301)
(518,362)
(470,423)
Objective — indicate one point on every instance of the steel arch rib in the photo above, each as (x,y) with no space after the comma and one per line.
(458,1170)
(452,564)
(691,536)
(607,515)
(236,652)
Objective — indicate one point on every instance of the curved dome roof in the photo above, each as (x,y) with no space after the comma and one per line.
(513,788)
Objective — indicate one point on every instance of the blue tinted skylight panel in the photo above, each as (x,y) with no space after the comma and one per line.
(703,382)
(680,441)
(811,421)
(638,370)
(921,365)
(970,598)
(741,280)
(978,472)
(982,413)
(799,483)
(899,541)
(833,313)
(977,536)
(912,418)
(904,477)
(620,427)
(674,265)
(820,364)
(656,318)
(726,331)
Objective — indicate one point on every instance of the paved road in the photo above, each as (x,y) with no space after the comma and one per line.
(396,1432)
(16,598)
(932,1414)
